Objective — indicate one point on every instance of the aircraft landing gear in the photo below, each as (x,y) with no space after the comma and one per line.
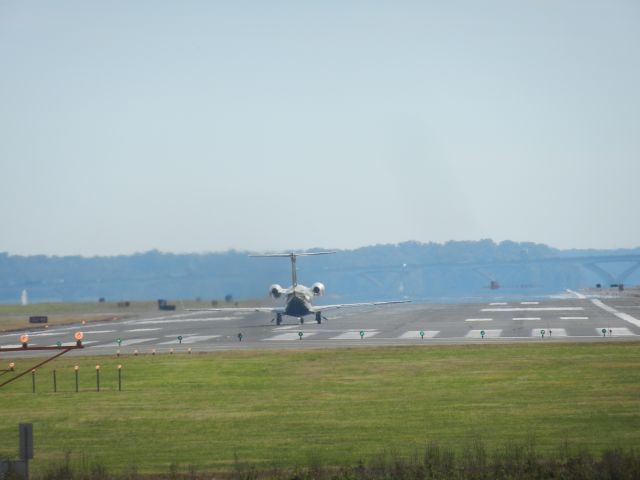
(278,319)
(318,318)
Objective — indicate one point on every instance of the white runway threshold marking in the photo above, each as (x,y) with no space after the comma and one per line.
(415,334)
(355,335)
(91,332)
(616,332)
(289,336)
(126,343)
(532,309)
(179,320)
(16,345)
(495,333)
(549,332)
(190,339)
(479,320)
(73,344)
(622,316)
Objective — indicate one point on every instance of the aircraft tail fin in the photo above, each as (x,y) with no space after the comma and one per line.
(293,256)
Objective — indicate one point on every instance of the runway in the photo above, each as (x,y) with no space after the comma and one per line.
(561,319)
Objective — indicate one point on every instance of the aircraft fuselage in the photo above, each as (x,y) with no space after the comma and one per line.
(298,301)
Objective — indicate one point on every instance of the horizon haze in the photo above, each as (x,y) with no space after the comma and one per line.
(203,127)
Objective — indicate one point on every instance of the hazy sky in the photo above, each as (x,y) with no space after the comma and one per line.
(200,126)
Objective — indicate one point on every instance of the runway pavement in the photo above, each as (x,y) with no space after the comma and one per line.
(551,320)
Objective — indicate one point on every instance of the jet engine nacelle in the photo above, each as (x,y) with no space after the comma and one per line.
(275,290)
(317,289)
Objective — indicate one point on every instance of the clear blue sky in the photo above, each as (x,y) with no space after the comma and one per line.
(200,126)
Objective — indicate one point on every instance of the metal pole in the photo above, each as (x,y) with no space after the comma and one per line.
(97,379)
(55,383)
(37,366)
(33,380)
(119,378)
(76,369)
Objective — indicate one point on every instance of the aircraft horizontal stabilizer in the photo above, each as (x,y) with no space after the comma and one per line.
(292,254)
(237,309)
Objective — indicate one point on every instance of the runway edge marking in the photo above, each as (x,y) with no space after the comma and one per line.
(621,315)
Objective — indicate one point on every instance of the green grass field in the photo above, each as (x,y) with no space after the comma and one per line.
(286,408)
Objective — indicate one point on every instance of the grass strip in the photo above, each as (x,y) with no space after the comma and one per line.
(333,407)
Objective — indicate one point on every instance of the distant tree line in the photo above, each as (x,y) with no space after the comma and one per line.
(422,271)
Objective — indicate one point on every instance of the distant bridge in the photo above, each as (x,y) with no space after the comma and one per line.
(595,264)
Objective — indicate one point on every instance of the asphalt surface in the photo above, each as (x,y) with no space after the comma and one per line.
(552,320)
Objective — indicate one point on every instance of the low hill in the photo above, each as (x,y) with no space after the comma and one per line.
(455,270)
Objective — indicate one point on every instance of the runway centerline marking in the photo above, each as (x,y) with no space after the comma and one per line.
(529,303)
(479,320)
(526,318)
(499,303)
(140,330)
(574,318)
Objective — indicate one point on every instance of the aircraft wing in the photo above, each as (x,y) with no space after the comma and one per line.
(238,309)
(324,308)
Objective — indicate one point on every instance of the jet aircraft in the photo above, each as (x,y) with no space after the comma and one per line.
(298,298)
